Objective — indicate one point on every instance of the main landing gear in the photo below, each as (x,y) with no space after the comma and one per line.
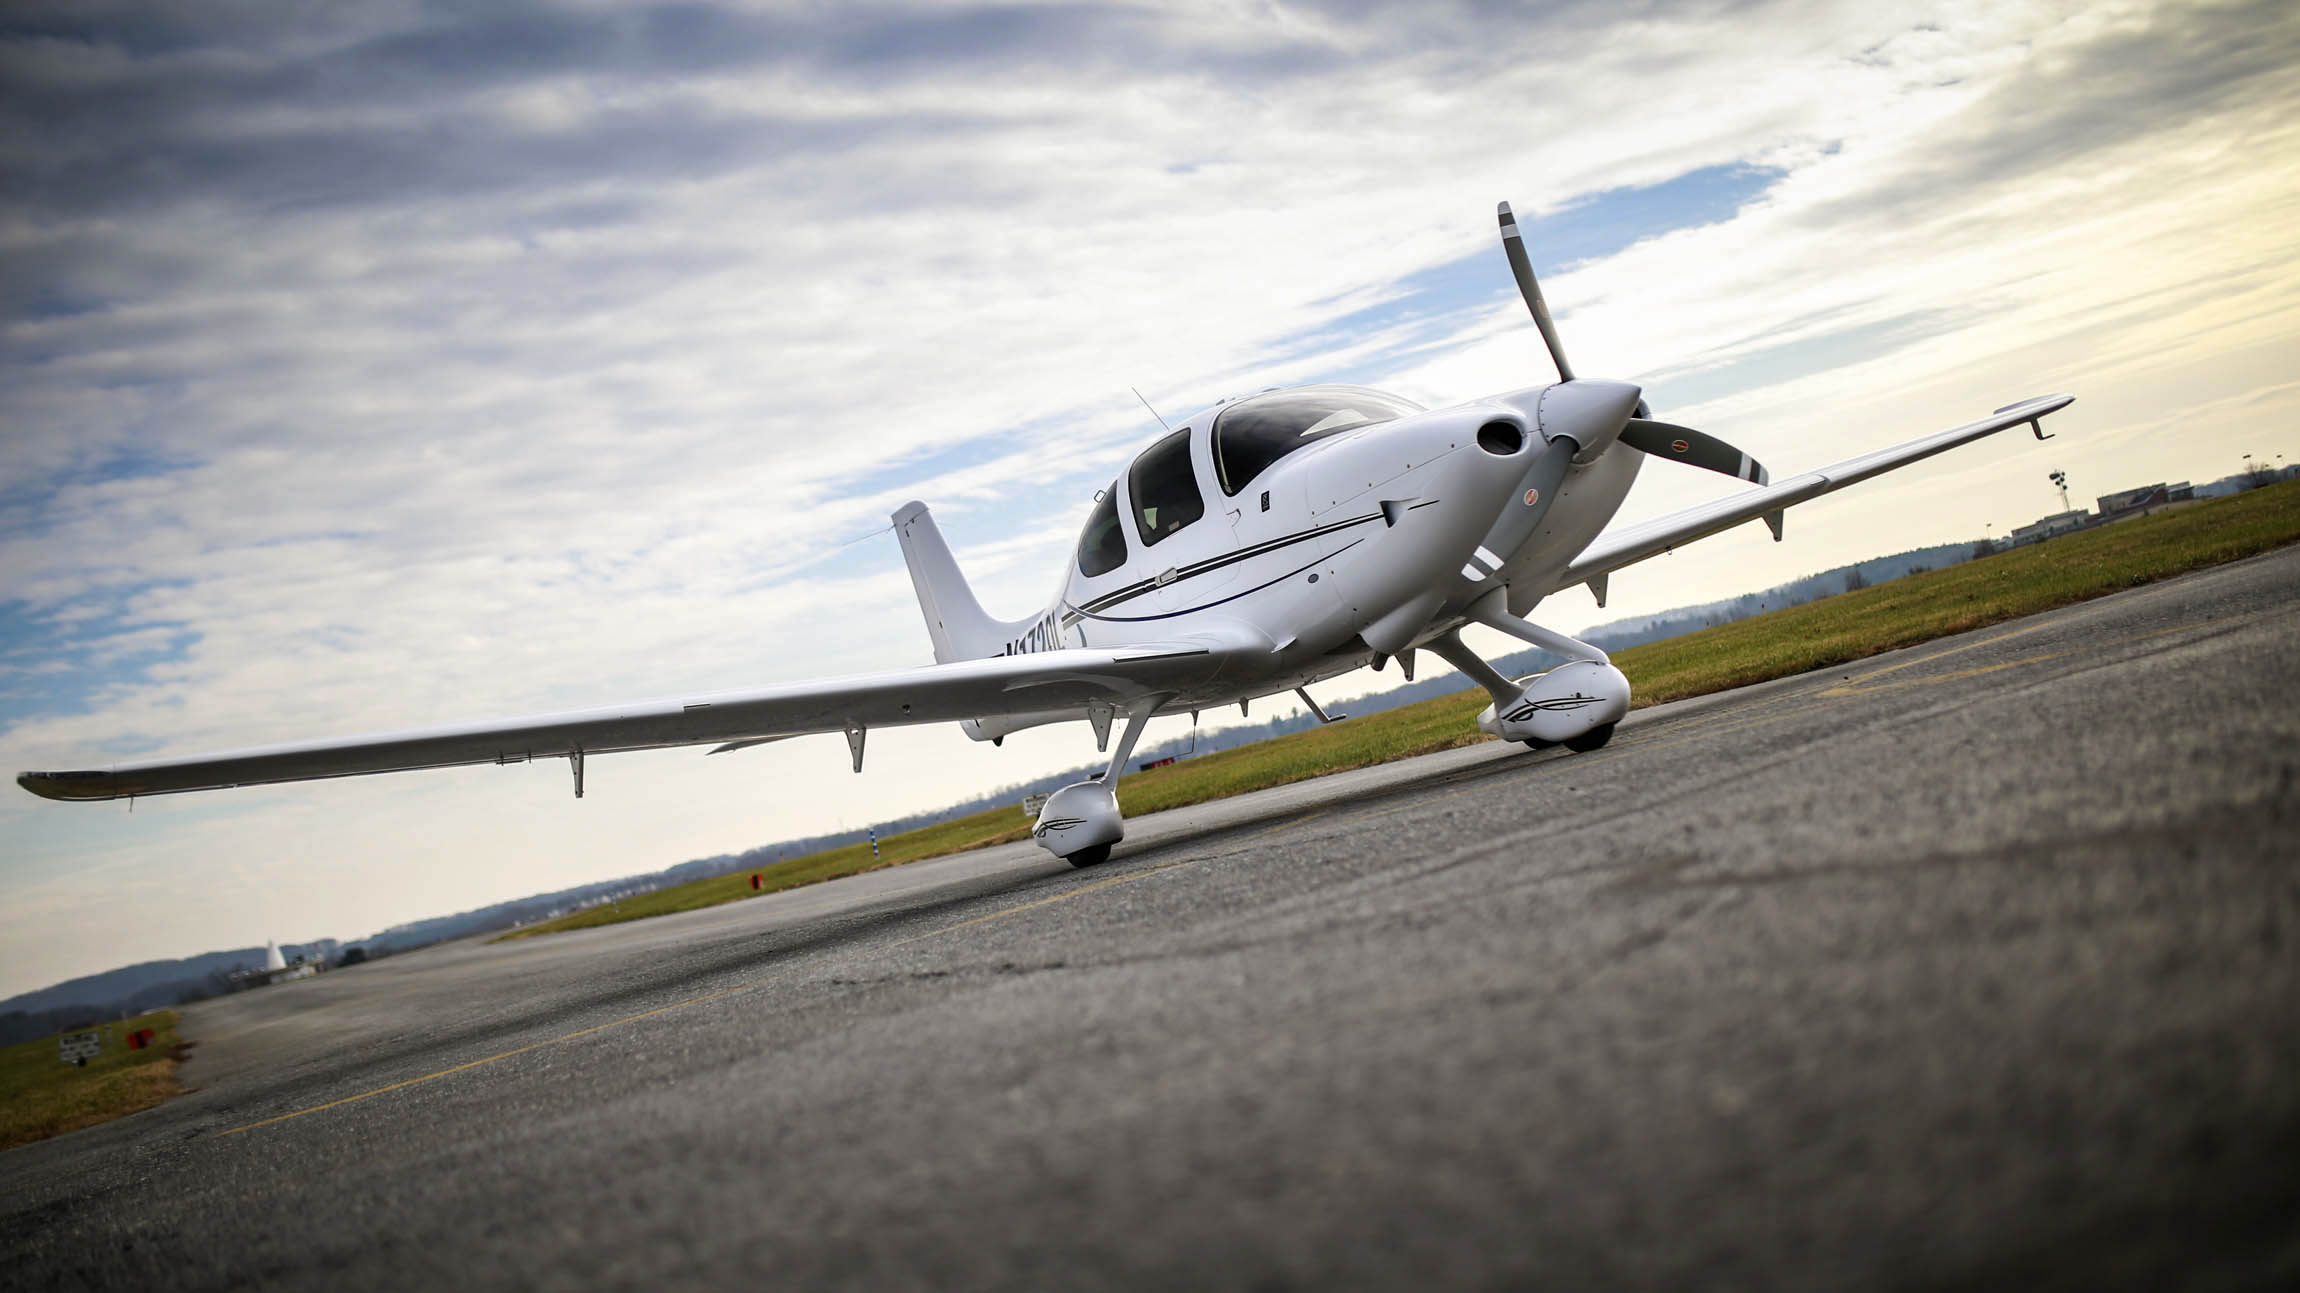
(1576,705)
(1080,822)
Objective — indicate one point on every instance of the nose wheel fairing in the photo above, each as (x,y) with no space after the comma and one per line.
(1572,703)
(1562,705)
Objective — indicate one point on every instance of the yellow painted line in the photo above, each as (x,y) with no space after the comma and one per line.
(502,1055)
(1871,689)
(1785,707)
(1969,646)
(1862,686)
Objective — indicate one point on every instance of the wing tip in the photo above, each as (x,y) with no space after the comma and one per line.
(2039,404)
(86,784)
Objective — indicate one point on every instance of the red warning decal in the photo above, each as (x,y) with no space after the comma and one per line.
(1532,496)
(1679,446)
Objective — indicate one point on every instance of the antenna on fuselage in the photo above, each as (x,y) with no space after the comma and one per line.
(1153,412)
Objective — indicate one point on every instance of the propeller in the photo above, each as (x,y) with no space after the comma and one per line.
(1640,432)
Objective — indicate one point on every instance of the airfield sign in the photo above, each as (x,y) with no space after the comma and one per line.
(79,1048)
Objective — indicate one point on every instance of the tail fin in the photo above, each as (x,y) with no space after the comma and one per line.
(961,629)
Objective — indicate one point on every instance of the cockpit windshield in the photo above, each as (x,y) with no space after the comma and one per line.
(1253,433)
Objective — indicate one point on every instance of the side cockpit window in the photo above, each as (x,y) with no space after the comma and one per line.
(1165,490)
(1102,548)
(1253,433)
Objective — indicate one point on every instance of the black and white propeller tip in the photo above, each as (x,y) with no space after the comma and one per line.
(1513,246)
(1693,448)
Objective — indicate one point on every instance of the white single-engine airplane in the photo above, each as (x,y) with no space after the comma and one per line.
(1270,542)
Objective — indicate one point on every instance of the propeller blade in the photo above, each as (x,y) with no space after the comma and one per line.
(1527,287)
(1536,490)
(1696,448)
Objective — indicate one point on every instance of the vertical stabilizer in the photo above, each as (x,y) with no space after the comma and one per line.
(960,628)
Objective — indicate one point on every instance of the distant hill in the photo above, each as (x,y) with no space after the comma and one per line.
(134,989)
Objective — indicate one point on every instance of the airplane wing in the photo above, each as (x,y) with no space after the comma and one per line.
(1071,678)
(1610,552)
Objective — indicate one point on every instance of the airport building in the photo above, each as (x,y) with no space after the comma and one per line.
(2129,502)
(2056,524)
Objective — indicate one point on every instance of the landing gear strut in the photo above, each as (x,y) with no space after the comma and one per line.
(1080,822)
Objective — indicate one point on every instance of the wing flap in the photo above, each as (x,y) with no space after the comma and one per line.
(1610,552)
(1000,685)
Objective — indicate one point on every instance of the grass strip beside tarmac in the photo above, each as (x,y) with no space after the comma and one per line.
(41,1096)
(1797,639)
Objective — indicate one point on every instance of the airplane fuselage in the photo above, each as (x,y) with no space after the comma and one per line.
(1308,555)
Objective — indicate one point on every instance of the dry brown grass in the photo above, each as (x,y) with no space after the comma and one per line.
(41,1096)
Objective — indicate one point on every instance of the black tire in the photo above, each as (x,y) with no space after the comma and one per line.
(1538,745)
(1095,856)
(1593,739)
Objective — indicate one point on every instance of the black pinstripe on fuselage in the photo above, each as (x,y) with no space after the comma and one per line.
(1092,610)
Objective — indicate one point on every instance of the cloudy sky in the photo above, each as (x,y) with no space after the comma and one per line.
(375,365)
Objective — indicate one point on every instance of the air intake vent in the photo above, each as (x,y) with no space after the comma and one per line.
(1501,439)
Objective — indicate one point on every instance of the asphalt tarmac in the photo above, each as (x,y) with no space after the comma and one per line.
(1978,963)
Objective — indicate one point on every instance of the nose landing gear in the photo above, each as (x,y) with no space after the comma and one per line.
(1576,705)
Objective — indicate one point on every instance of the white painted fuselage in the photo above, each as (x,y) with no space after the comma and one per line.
(1324,544)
